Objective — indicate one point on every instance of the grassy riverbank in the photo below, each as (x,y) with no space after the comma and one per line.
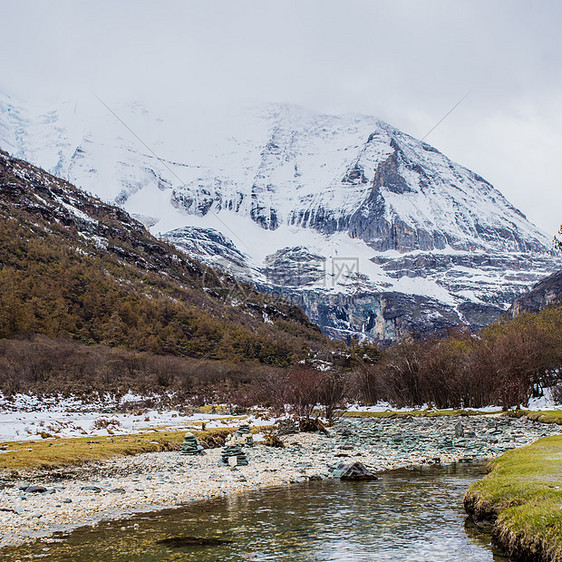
(57,453)
(546,416)
(523,495)
(542,416)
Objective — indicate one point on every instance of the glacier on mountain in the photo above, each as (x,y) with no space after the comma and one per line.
(374,233)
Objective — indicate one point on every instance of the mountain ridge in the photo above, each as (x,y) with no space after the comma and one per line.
(74,267)
(408,224)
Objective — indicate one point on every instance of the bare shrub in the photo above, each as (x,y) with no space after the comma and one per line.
(557,393)
(333,392)
(302,390)
(106,423)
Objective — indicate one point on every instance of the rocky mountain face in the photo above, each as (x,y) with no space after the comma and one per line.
(547,292)
(374,233)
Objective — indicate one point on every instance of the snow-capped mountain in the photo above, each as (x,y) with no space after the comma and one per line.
(373,232)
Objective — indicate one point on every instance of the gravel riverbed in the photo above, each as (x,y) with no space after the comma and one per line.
(126,485)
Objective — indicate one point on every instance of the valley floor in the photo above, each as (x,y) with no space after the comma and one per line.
(85,495)
(29,418)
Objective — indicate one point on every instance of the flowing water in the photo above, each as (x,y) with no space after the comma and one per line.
(407,515)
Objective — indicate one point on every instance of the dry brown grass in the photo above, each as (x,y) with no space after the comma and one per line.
(57,453)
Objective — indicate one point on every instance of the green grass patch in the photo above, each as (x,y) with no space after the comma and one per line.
(57,453)
(545,416)
(417,413)
(214,409)
(524,493)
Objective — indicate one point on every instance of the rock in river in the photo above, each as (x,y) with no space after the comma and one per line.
(353,471)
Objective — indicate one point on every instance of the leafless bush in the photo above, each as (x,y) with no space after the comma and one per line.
(45,366)
(506,364)
(302,390)
(557,393)
(106,423)
(333,392)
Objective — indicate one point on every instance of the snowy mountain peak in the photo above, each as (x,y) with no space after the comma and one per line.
(309,204)
(277,164)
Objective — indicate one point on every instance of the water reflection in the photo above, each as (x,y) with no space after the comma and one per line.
(408,515)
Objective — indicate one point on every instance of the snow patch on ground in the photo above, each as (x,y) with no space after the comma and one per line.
(29,418)
(25,417)
(545,402)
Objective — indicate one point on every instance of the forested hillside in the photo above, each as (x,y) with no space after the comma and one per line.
(73,267)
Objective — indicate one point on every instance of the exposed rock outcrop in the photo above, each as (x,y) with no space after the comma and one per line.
(547,292)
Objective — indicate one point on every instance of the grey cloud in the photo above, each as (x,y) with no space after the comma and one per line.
(405,61)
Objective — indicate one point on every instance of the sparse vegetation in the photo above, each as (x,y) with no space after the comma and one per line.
(509,362)
(545,416)
(558,239)
(303,388)
(46,367)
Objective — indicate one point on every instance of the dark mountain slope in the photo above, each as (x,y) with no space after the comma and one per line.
(545,293)
(72,266)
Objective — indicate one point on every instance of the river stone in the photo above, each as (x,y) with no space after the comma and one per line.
(182,542)
(190,445)
(346,432)
(459,430)
(244,429)
(242,437)
(353,471)
(233,451)
(35,489)
(94,489)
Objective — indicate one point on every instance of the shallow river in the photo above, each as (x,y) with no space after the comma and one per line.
(407,515)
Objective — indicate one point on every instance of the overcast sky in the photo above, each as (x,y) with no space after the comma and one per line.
(408,62)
